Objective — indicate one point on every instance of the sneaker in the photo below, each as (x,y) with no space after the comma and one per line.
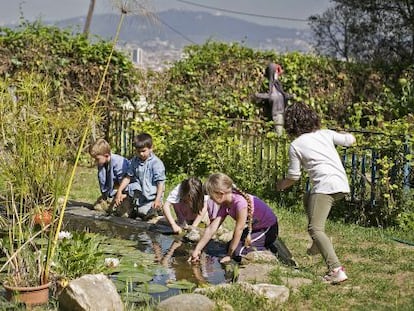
(336,276)
(313,250)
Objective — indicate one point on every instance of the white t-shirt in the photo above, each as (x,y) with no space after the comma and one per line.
(174,196)
(316,153)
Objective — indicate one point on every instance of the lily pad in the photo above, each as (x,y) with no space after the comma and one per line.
(131,276)
(151,288)
(181,284)
(120,285)
(117,249)
(136,297)
(125,243)
(136,265)
(110,270)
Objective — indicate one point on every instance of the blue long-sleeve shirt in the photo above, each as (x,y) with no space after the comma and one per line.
(110,175)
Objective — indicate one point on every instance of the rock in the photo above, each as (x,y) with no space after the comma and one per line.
(255,273)
(278,293)
(193,235)
(186,302)
(91,292)
(223,235)
(259,256)
(101,206)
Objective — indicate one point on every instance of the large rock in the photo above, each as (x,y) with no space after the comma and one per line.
(259,257)
(255,273)
(91,292)
(186,302)
(277,293)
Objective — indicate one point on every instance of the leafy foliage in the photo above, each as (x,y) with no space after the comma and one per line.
(82,254)
(69,60)
(205,119)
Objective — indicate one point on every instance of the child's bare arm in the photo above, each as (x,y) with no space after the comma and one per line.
(119,197)
(241,218)
(167,213)
(208,234)
(160,190)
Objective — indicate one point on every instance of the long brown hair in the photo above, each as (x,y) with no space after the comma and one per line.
(221,182)
(191,191)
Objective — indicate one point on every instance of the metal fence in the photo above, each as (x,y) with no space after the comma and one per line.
(268,159)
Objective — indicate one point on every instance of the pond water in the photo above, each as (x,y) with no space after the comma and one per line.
(170,252)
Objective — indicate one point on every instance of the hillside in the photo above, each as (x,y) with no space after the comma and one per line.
(163,40)
(180,28)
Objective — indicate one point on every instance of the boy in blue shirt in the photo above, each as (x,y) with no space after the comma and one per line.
(148,170)
(111,170)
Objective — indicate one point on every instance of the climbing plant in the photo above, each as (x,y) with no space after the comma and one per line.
(73,63)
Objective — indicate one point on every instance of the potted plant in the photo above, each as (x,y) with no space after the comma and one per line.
(25,256)
(35,163)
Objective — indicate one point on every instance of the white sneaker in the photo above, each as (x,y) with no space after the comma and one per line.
(336,276)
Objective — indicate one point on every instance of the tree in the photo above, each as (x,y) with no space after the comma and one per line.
(376,31)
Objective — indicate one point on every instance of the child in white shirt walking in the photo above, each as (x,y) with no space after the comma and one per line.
(313,149)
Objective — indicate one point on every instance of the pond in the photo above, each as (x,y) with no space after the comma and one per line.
(170,251)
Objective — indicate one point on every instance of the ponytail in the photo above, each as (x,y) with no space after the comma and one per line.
(250,211)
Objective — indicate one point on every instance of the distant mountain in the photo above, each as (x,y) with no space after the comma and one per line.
(177,28)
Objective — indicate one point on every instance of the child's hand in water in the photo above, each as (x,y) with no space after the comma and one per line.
(119,197)
(225,259)
(195,256)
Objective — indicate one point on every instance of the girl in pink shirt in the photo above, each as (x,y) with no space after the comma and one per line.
(256,225)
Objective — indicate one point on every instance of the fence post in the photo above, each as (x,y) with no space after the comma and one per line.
(353,175)
(406,168)
(373,178)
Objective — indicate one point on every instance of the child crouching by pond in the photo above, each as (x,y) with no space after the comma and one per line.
(256,225)
(111,169)
(189,203)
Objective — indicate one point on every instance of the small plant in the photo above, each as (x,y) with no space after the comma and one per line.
(77,254)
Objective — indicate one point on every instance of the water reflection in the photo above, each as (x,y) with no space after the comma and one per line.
(170,252)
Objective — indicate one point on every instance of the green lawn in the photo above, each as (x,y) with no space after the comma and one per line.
(380,269)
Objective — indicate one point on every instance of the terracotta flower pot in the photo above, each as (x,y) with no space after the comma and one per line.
(36,295)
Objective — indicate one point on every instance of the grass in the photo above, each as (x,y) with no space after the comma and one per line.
(380,269)
(85,186)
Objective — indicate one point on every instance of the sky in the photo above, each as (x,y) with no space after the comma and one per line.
(271,12)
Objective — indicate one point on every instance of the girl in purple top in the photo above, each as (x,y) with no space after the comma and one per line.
(256,225)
